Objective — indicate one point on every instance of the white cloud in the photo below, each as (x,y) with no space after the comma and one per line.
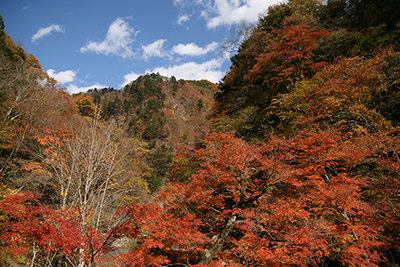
(67,77)
(63,76)
(192,49)
(154,49)
(209,70)
(228,12)
(128,78)
(74,89)
(43,32)
(178,2)
(183,18)
(118,41)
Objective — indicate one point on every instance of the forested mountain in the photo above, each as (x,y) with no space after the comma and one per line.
(163,113)
(294,162)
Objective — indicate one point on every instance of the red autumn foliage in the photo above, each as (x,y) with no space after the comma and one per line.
(290,56)
(29,222)
(286,202)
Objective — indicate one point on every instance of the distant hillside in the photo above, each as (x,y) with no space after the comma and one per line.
(162,112)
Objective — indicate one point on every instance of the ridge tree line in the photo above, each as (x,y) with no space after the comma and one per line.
(301,169)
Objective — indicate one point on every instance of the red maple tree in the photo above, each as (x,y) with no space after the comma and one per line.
(287,201)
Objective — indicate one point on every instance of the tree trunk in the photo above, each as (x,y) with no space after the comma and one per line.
(210,252)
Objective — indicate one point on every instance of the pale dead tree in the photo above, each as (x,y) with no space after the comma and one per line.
(237,34)
(85,167)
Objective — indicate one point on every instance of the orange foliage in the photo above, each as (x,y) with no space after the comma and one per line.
(346,95)
(286,202)
(290,56)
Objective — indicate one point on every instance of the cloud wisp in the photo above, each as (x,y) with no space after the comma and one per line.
(68,78)
(43,32)
(182,19)
(192,49)
(209,70)
(63,76)
(118,41)
(227,12)
(154,49)
(129,78)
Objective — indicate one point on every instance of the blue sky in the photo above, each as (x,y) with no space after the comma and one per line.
(97,43)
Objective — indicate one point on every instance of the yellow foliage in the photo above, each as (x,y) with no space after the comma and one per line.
(86,105)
